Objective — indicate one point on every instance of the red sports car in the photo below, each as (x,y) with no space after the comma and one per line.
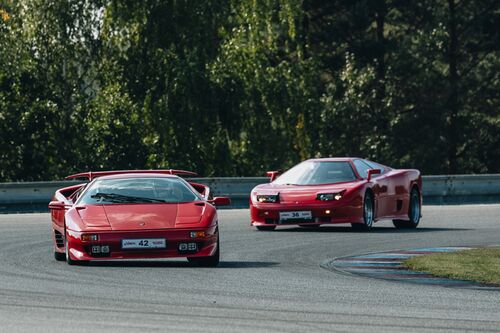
(135,214)
(338,190)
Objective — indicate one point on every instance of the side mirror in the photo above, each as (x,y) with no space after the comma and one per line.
(272,175)
(221,201)
(57,205)
(372,172)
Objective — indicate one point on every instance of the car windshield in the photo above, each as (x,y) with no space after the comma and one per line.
(138,190)
(316,173)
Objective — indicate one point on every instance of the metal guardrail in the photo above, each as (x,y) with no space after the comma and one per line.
(461,189)
(444,189)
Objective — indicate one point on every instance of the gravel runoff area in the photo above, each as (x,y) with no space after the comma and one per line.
(266,282)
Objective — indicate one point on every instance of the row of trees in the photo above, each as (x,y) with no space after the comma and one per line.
(234,88)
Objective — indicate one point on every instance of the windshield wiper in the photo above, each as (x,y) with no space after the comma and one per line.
(114,197)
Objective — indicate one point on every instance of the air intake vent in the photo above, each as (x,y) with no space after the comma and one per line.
(59,239)
(399,205)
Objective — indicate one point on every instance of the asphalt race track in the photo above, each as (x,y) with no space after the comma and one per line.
(267,281)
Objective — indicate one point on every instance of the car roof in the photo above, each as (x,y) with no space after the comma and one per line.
(335,159)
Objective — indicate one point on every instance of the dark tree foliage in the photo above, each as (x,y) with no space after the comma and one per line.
(235,88)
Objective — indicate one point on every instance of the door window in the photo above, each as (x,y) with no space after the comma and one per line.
(362,168)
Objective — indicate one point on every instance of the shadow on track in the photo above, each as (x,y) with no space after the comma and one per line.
(178,264)
(374,230)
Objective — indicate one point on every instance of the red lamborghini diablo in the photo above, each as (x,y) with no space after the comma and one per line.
(135,214)
(338,190)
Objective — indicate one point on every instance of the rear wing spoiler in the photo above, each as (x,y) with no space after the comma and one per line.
(94,174)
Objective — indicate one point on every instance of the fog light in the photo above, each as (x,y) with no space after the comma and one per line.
(327,211)
(188,247)
(99,250)
(197,234)
(89,237)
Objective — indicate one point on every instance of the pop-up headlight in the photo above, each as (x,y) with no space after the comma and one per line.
(271,198)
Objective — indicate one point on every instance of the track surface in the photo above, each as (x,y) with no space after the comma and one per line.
(267,281)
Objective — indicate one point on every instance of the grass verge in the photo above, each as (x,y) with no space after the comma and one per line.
(481,265)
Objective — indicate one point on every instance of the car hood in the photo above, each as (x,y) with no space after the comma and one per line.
(141,216)
(301,193)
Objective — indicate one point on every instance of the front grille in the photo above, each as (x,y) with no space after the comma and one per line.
(59,239)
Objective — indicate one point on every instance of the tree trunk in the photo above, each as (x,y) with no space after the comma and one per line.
(452,137)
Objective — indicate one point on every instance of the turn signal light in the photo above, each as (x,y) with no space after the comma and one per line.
(197,234)
(90,237)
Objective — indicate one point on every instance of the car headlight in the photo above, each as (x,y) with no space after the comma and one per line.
(271,198)
(330,196)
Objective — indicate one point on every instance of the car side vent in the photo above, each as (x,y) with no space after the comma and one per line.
(59,239)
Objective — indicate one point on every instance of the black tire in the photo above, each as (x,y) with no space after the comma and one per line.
(414,212)
(266,227)
(358,226)
(211,261)
(59,256)
(368,214)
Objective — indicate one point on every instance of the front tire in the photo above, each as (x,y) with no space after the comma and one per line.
(211,261)
(59,256)
(414,212)
(266,227)
(368,214)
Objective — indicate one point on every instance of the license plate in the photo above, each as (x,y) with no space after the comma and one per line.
(300,215)
(145,243)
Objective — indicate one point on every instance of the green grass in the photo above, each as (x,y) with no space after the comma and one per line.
(481,265)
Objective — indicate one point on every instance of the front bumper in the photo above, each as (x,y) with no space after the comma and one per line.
(331,212)
(82,250)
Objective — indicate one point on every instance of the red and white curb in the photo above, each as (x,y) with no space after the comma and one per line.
(388,266)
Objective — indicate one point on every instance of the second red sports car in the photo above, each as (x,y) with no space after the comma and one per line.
(135,214)
(338,190)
